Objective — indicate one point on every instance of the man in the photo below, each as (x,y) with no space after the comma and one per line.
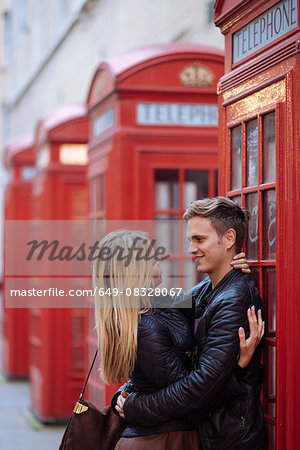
(224,401)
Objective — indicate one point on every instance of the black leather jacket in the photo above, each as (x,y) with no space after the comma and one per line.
(165,344)
(226,405)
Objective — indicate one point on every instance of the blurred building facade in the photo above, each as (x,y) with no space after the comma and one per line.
(57,44)
(50,49)
(5,65)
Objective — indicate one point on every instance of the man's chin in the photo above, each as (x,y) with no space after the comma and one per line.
(201,268)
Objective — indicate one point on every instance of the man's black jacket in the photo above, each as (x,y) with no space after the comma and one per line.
(226,406)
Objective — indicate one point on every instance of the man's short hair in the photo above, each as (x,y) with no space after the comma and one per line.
(223,214)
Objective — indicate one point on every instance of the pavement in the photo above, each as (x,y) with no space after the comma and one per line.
(19,429)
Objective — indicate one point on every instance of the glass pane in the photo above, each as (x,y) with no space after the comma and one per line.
(78,328)
(97,229)
(255,276)
(269,224)
(216,183)
(100,193)
(190,274)
(269,149)
(252,238)
(236,157)
(252,153)
(237,199)
(196,185)
(78,204)
(170,273)
(270,367)
(166,189)
(28,172)
(78,358)
(92,330)
(271,437)
(93,195)
(270,300)
(167,232)
(97,193)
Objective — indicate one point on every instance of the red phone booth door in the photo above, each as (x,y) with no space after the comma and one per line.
(168,184)
(254,133)
(58,335)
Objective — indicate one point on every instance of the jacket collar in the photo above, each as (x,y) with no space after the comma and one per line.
(209,294)
(231,275)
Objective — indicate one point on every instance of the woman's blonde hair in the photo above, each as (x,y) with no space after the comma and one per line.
(117,316)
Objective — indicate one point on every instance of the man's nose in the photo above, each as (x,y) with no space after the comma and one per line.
(192,248)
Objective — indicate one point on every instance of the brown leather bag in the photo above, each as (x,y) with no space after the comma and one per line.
(90,428)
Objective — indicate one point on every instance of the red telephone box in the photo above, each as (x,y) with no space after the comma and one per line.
(153,144)
(259,167)
(19,158)
(58,335)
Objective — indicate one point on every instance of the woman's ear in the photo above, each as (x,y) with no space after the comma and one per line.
(230,238)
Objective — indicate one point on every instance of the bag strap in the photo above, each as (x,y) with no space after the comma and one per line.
(87,378)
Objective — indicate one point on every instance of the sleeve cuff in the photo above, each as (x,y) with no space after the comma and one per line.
(240,371)
(127,387)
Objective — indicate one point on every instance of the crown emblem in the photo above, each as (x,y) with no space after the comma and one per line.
(196,75)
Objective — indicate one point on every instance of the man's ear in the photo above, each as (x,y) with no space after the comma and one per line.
(229,238)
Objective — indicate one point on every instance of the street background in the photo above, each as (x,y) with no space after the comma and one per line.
(49,50)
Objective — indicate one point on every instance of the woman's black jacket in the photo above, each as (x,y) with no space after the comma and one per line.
(165,343)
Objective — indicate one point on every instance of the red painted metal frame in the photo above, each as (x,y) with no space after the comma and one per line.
(279,60)
(17,206)
(128,153)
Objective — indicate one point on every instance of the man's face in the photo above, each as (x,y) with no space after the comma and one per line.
(206,246)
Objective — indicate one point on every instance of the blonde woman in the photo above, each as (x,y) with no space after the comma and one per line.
(150,345)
